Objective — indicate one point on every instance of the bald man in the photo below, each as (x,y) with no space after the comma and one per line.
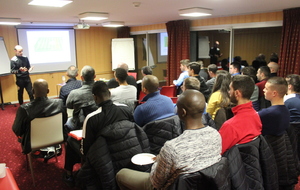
(20,66)
(198,147)
(273,68)
(41,106)
(156,106)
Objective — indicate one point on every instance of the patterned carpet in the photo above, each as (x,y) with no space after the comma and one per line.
(47,175)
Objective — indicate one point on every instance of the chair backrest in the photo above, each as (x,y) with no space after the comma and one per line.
(46,131)
(169,91)
(215,177)
(132,74)
(160,131)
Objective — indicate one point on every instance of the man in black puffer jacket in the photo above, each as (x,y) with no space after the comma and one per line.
(110,139)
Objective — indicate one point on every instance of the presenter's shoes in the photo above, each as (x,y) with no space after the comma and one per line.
(68,180)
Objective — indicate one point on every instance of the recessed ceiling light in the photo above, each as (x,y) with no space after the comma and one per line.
(93,16)
(10,21)
(50,3)
(113,24)
(195,12)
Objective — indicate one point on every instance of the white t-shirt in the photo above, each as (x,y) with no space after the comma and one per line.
(123,93)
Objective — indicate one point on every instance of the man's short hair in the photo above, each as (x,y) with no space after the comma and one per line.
(250,71)
(192,83)
(88,73)
(265,70)
(151,83)
(72,71)
(100,89)
(236,65)
(147,70)
(294,80)
(278,84)
(121,74)
(237,59)
(194,66)
(185,62)
(273,66)
(244,84)
(213,68)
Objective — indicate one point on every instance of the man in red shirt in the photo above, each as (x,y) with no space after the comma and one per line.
(245,125)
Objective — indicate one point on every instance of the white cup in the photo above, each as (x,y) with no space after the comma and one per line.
(2,170)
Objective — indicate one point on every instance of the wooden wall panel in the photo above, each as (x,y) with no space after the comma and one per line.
(260,17)
(248,43)
(93,47)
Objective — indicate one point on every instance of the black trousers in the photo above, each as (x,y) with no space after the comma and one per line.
(73,154)
(24,83)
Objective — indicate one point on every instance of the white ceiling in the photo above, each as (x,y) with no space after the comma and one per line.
(149,12)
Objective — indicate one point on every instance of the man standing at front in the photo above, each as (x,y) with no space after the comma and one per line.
(245,125)
(20,66)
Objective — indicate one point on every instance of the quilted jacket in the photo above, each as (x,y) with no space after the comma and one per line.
(160,131)
(215,177)
(285,159)
(252,166)
(112,151)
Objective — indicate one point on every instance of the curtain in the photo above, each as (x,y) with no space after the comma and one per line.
(178,47)
(123,32)
(289,58)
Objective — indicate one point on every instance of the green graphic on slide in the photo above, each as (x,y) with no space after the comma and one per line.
(46,44)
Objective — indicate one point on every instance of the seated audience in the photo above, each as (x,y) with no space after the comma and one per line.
(274,57)
(273,68)
(263,74)
(71,84)
(194,84)
(156,106)
(212,71)
(224,64)
(124,93)
(41,106)
(184,73)
(276,118)
(203,73)
(193,70)
(112,83)
(259,61)
(81,99)
(197,148)
(235,68)
(250,71)
(292,99)
(146,70)
(106,114)
(220,94)
(245,125)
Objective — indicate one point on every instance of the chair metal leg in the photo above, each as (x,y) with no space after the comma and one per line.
(55,153)
(31,169)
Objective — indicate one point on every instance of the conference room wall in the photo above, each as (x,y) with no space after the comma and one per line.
(237,19)
(93,47)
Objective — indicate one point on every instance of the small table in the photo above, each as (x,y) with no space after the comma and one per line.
(8,182)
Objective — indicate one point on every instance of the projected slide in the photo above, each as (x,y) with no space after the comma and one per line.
(48,46)
(48,50)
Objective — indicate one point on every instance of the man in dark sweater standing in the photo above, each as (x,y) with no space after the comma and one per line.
(20,66)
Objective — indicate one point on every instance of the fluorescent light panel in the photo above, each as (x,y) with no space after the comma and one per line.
(10,21)
(113,24)
(195,12)
(93,16)
(50,3)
